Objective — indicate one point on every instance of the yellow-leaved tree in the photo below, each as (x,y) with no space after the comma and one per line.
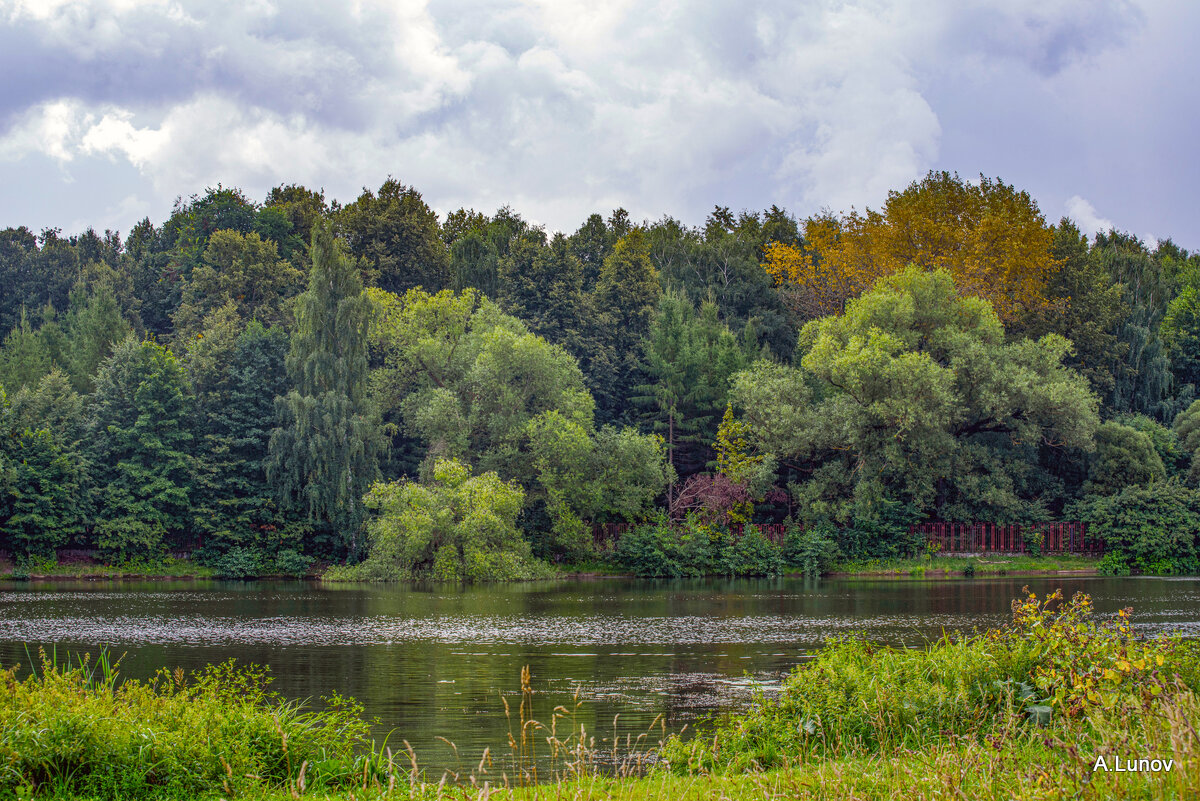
(991,238)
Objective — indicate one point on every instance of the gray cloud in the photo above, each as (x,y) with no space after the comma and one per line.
(555,106)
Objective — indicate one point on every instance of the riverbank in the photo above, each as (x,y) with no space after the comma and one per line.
(49,569)
(982,565)
(919,567)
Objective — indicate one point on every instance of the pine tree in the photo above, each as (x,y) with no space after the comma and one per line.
(324,454)
(690,358)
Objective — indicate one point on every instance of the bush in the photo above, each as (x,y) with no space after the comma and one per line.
(884,534)
(77,731)
(239,563)
(289,562)
(1147,529)
(459,527)
(813,550)
(651,550)
(663,550)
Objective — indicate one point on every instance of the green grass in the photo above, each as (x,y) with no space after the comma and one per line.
(990,565)
(165,568)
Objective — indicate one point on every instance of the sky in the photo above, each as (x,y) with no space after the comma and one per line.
(110,110)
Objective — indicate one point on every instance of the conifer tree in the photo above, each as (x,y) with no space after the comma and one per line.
(140,434)
(324,454)
(626,294)
(94,326)
(24,357)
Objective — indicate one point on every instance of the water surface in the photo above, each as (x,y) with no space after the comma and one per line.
(433,661)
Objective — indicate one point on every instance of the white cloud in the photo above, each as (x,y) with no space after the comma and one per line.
(559,107)
(1086,217)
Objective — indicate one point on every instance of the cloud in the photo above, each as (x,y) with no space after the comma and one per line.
(559,107)
(1084,215)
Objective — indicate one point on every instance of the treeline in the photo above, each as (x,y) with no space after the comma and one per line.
(262,383)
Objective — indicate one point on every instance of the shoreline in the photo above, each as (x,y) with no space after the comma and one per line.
(906,569)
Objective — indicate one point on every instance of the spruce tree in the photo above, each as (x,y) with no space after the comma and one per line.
(141,439)
(24,357)
(324,454)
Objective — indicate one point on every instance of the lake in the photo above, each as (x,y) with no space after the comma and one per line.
(433,661)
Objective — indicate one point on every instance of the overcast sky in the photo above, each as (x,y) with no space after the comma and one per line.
(109,110)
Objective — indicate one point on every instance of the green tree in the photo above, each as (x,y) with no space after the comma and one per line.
(1085,306)
(689,358)
(245,270)
(397,237)
(24,356)
(324,454)
(1142,376)
(458,527)
(141,440)
(1124,457)
(237,372)
(914,397)
(625,297)
(92,329)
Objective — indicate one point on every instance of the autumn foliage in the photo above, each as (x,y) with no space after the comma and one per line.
(991,238)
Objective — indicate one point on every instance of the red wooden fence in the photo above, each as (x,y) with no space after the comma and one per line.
(1066,537)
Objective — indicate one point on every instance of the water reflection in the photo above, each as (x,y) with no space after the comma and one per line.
(433,660)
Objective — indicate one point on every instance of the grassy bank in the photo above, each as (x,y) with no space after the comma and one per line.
(1024,711)
(51,569)
(988,565)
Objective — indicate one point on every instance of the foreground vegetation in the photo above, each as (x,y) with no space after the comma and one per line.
(1021,712)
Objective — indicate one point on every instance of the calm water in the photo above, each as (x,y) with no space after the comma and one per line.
(433,661)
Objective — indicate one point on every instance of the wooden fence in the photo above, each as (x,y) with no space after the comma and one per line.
(1059,538)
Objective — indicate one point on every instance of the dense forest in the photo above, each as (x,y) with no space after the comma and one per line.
(261,384)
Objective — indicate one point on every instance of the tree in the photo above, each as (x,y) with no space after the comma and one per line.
(1142,377)
(1085,305)
(989,237)
(244,270)
(324,454)
(458,527)
(43,490)
(24,356)
(1124,457)
(397,236)
(92,329)
(543,286)
(237,372)
(913,397)
(473,384)
(689,358)
(625,296)
(141,440)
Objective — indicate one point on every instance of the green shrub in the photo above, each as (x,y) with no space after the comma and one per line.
(661,549)
(1147,529)
(457,527)
(651,550)
(289,562)
(814,549)
(239,562)
(77,731)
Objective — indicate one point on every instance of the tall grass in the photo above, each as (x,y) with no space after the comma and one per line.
(75,728)
(1053,670)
